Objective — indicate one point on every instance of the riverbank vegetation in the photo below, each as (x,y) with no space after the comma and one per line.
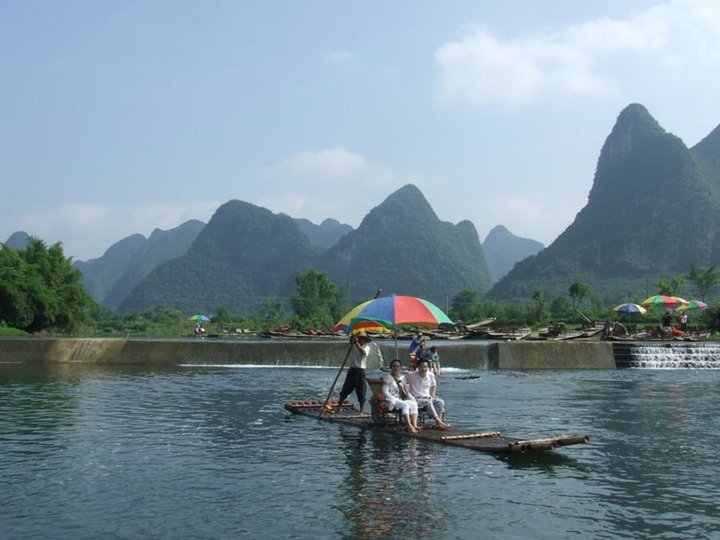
(41,293)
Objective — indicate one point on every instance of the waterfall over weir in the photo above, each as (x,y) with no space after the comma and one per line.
(670,355)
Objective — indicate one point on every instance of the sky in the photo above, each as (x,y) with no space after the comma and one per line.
(117,118)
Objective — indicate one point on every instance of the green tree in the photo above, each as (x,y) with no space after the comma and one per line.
(464,305)
(561,309)
(538,312)
(577,292)
(464,300)
(704,280)
(272,311)
(316,304)
(671,286)
(40,289)
(222,316)
(16,286)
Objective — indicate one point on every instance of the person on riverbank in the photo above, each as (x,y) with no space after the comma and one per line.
(683,321)
(666,323)
(398,397)
(355,378)
(423,388)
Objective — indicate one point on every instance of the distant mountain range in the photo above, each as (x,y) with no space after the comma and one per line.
(652,212)
(246,254)
(110,278)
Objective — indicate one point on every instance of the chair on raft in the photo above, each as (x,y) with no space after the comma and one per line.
(381,414)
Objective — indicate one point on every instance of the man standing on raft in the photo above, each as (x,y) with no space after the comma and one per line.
(355,378)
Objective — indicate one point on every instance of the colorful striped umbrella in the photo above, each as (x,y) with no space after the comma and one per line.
(198,317)
(661,301)
(693,305)
(387,313)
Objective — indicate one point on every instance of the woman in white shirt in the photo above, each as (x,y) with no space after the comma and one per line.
(397,396)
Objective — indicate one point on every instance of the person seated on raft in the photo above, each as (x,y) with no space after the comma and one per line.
(398,398)
(422,386)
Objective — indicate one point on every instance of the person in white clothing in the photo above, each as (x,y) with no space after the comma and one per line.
(423,388)
(397,396)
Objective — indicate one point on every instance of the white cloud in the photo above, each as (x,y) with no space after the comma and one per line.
(582,59)
(332,182)
(331,161)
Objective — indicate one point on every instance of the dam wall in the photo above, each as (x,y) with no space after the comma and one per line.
(574,354)
(481,355)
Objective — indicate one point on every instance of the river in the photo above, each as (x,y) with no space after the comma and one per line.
(203,451)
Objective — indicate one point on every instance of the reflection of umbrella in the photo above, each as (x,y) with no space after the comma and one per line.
(198,318)
(694,305)
(630,309)
(661,301)
(389,312)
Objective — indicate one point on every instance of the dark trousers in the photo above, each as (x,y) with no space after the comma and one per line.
(354,380)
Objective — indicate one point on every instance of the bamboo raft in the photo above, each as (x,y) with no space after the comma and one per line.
(491,441)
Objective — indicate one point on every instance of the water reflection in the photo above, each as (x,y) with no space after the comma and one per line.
(394,488)
(541,461)
(209,453)
(655,436)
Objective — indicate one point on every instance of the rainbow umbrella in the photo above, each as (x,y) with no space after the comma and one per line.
(630,309)
(198,318)
(661,301)
(387,313)
(693,305)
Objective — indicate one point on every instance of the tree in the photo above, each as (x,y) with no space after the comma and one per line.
(671,286)
(40,289)
(463,303)
(704,280)
(272,310)
(560,309)
(577,292)
(538,312)
(316,304)
(464,300)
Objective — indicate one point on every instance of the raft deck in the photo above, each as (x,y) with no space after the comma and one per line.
(491,441)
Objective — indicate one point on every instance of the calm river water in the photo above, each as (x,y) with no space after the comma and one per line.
(209,452)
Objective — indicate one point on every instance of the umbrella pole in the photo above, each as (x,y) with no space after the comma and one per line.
(322,409)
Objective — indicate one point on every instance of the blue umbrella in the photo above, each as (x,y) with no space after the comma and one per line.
(630,309)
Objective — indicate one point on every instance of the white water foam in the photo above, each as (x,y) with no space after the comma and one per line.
(680,356)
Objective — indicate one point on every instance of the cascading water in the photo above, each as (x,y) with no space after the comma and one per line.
(675,356)
(381,360)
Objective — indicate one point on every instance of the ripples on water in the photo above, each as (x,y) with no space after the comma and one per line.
(208,452)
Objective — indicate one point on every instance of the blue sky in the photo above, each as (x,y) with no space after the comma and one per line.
(121,116)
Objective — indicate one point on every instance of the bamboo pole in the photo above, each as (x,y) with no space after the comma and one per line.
(332,387)
(352,344)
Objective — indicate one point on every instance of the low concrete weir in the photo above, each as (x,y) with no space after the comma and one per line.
(511,355)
